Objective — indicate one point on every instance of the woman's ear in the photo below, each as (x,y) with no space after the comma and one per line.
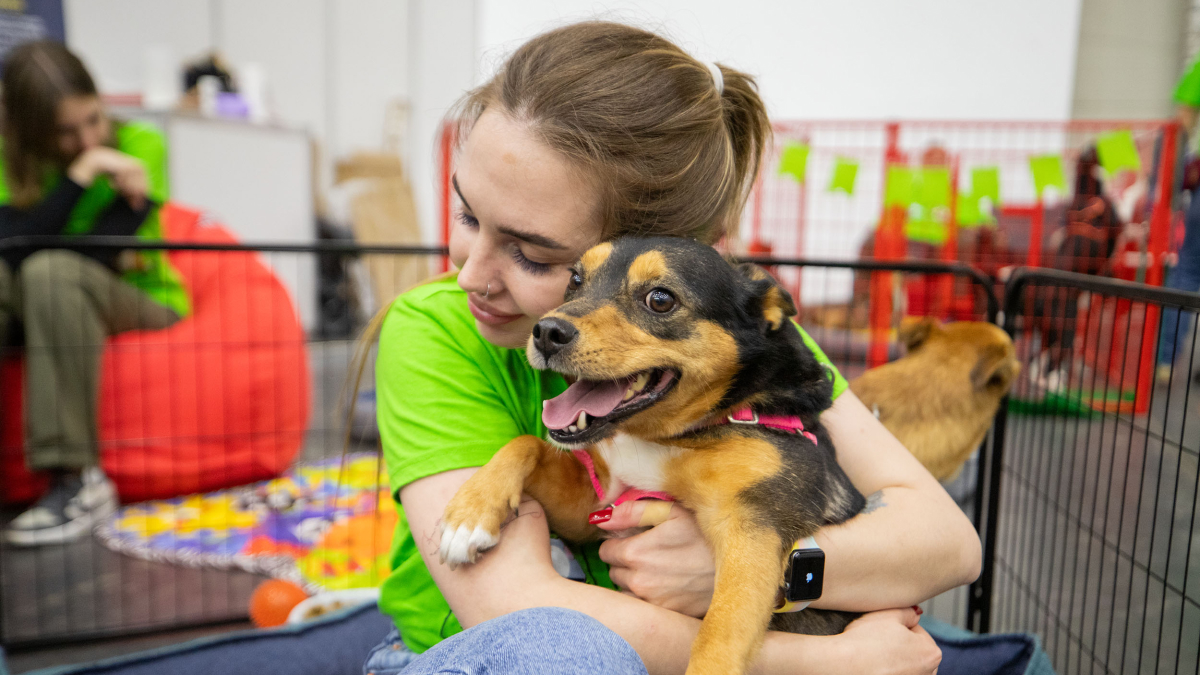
(766,298)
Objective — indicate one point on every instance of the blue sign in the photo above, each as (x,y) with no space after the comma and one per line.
(27,20)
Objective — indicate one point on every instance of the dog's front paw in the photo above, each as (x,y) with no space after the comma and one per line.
(472,520)
(461,544)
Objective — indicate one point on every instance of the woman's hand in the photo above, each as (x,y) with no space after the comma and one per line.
(669,565)
(888,642)
(127,174)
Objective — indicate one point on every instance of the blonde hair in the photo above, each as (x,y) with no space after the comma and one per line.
(672,154)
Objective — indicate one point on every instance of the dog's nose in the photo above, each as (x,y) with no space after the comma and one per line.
(550,335)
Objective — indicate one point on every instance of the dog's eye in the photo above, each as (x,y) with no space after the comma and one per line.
(661,301)
(575,281)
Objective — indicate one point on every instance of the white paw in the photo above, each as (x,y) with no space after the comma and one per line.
(463,545)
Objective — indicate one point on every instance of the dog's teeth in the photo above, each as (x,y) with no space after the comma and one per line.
(628,394)
(572,428)
(544,404)
(582,423)
(642,379)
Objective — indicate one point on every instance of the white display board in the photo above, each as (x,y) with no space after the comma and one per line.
(257,181)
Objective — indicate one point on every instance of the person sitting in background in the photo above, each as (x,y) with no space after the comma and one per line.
(68,169)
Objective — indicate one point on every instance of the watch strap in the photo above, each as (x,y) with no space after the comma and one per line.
(782,604)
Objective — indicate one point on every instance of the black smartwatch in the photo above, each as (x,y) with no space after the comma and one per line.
(804,576)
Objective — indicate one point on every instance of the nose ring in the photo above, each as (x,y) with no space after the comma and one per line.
(488,291)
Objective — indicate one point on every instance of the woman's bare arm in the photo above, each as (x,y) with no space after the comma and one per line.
(518,574)
(911,543)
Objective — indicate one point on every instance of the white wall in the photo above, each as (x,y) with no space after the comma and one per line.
(443,62)
(288,37)
(333,65)
(369,70)
(863,59)
(336,64)
(111,35)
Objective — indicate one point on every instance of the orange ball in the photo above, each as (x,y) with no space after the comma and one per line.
(273,600)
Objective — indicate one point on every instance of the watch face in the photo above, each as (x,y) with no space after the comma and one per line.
(807,575)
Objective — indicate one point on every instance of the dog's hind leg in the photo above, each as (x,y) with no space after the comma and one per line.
(473,517)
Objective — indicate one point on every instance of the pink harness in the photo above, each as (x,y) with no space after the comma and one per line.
(632,494)
(789,423)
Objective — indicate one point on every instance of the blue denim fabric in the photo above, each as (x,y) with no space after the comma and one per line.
(335,643)
(1185,276)
(539,640)
(388,657)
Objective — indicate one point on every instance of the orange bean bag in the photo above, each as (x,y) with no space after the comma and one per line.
(221,398)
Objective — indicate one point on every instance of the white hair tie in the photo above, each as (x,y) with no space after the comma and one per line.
(718,78)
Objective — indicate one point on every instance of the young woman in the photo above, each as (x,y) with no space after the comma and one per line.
(590,132)
(68,169)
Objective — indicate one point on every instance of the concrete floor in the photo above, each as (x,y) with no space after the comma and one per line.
(1097,549)
(53,595)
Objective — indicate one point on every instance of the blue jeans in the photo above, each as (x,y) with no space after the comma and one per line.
(539,640)
(1185,276)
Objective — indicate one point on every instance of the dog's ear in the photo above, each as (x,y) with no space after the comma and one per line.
(766,297)
(995,370)
(914,332)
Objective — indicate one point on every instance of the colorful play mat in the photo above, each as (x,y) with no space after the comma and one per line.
(325,525)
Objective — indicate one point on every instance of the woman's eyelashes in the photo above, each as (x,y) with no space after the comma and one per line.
(468,220)
(527,264)
(518,256)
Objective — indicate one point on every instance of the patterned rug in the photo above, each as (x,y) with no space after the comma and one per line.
(325,525)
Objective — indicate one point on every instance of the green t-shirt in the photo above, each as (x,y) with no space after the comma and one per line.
(1187,91)
(154,273)
(448,399)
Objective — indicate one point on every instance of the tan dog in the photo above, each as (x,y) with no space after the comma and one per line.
(940,398)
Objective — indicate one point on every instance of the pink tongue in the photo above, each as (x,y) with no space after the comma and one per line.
(596,398)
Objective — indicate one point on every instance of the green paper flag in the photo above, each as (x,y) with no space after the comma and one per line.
(967,211)
(899,189)
(1117,151)
(1047,172)
(794,161)
(985,182)
(844,173)
(925,230)
(933,187)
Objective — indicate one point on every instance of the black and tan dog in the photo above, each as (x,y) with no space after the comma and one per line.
(665,340)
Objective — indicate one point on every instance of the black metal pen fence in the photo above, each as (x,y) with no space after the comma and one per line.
(1093,544)
(304,513)
(244,400)
(178,560)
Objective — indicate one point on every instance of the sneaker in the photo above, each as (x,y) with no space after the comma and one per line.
(1163,373)
(67,512)
(1055,380)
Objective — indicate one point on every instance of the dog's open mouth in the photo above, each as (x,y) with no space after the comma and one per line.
(586,411)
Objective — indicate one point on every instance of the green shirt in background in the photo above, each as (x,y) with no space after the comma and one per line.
(1187,91)
(448,399)
(154,273)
